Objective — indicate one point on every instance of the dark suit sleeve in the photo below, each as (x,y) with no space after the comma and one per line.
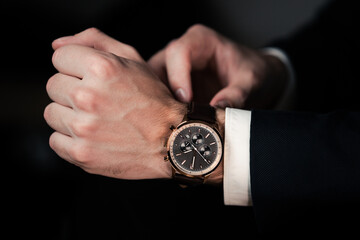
(305,166)
(305,171)
(325,56)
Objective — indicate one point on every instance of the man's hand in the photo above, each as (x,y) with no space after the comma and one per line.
(111,113)
(210,68)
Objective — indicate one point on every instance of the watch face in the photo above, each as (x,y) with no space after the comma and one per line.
(195,149)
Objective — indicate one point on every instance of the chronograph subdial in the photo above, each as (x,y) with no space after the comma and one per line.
(195,149)
(185,146)
(205,150)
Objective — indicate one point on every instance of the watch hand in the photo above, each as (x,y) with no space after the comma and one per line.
(188,151)
(193,162)
(199,153)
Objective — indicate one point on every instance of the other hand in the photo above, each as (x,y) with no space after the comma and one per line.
(207,67)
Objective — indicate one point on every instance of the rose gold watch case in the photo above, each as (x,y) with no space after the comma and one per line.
(195,174)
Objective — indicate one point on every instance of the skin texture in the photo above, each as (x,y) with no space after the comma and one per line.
(111,113)
(111,110)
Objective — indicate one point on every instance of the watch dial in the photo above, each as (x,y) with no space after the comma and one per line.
(195,148)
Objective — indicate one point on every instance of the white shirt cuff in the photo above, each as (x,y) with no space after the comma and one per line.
(237,158)
(286,101)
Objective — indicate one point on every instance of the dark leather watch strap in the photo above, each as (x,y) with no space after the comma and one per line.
(202,112)
(185,181)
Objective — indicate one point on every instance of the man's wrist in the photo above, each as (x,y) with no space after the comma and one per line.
(173,116)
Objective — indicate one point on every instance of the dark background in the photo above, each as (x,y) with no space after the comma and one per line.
(43,196)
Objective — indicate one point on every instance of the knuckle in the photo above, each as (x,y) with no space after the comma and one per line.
(50,83)
(237,96)
(76,153)
(55,55)
(48,112)
(80,153)
(250,76)
(92,31)
(132,53)
(197,28)
(131,49)
(89,33)
(52,141)
(103,66)
(84,99)
(82,126)
(200,33)
(238,92)
(59,54)
(174,47)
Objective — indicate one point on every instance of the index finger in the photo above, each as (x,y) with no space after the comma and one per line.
(73,60)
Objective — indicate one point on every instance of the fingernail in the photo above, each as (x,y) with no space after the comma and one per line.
(223,104)
(181,95)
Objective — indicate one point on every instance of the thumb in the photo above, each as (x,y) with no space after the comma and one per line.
(231,96)
(94,38)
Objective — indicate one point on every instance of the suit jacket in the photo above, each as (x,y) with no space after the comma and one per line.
(305,165)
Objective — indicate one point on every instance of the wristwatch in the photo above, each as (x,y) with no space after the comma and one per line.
(195,146)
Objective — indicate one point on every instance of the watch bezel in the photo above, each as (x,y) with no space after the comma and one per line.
(204,173)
